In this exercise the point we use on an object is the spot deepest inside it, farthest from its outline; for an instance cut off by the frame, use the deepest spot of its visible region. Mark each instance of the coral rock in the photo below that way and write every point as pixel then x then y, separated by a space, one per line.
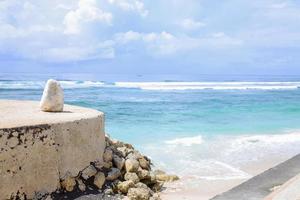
pixel 88 172
pixel 125 186
pixel 166 177
pixel 68 183
pixel 131 165
pixel 119 162
pixel 99 179
pixel 144 163
pixel 138 194
pixel 81 185
pixel 107 155
pixel 113 174
pixel 131 177
pixel 53 97
pixel 143 174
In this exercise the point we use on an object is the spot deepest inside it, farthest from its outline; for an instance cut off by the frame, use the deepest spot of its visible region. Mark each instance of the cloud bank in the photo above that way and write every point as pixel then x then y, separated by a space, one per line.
pixel 232 32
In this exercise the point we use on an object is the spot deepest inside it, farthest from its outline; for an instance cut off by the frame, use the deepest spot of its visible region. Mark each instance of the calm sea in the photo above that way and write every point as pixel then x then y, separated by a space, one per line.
pixel 213 123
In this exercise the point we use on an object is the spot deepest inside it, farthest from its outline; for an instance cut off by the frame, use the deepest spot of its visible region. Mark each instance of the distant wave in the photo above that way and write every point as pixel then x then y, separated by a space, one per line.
pixel 210 85
pixel 41 84
pixel 68 84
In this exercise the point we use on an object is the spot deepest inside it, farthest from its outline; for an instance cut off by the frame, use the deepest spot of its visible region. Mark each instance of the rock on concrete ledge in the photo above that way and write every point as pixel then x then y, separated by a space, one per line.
pixel 38 148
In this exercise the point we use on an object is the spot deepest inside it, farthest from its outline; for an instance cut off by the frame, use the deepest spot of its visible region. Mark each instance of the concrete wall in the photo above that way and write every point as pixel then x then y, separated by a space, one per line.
pixel 36 153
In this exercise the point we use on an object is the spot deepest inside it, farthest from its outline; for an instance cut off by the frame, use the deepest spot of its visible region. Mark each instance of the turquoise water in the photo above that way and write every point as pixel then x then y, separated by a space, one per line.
pixel 183 114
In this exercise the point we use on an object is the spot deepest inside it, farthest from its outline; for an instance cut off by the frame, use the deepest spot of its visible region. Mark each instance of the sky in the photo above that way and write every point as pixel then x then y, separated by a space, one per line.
pixel 150 36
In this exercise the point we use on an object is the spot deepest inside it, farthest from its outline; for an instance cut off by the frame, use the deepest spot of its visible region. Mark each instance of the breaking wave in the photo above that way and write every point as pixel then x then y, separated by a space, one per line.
pixel 210 85
pixel 186 141
pixel 68 84
pixel 222 157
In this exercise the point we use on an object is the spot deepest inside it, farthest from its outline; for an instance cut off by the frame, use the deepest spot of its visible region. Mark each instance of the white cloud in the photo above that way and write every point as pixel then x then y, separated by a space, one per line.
pixel 145 37
pixel 164 43
pixel 87 11
pixel 104 50
pixel 156 43
pixel 131 5
pixel 9 31
pixel 218 34
pixel 190 24
pixel 279 5
pixel 37 31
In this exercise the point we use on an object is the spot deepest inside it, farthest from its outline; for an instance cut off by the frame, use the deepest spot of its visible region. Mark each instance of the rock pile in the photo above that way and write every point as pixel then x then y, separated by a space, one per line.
pixel 124 172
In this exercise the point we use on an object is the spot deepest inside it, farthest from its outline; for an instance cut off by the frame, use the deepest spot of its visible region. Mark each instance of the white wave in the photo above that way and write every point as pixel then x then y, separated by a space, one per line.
pixel 269 139
pixel 186 141
pixel 41 84
pixel 210 85
pixel 246 149
pixel 81 84
pixel 21 84
pixel 223 157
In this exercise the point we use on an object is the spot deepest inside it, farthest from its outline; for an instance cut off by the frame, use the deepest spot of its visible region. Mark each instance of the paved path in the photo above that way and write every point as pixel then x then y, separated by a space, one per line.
pixel 258 187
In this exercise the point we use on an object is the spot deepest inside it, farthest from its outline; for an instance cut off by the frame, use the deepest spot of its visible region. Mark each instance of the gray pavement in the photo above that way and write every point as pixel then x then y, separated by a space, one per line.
pixel 258 187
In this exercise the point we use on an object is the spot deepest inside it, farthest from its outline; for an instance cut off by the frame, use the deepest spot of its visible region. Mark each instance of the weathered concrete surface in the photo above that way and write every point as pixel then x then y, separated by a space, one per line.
pixel 258 187
pixel 288 191
pixel 39 148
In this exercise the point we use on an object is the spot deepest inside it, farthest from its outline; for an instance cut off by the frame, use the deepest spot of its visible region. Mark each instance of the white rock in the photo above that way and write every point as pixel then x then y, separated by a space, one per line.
pixel 53 97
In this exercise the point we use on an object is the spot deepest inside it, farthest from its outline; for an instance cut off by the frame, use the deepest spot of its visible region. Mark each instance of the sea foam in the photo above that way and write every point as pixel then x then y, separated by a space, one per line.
pixel 209 85
pixel 186 141
pixel 222 157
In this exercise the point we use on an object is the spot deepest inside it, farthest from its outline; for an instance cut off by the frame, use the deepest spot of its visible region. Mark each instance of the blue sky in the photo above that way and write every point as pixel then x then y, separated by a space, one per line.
pixel 150 37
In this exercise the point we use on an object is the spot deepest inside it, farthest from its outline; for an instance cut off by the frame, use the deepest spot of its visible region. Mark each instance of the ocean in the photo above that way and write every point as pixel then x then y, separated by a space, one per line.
pixel 199 126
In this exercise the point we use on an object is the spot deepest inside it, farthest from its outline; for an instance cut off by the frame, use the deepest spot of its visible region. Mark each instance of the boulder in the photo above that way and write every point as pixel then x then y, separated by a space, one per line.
pixel 88 172
pixel 123 151
pixel 113 174
pixel 125 186
pixel 99 179
pixel 107 155
pixel 131 165
pixel 81 185
pixel 166 177
pixel 143 174
pixel 53 97
pixel 108 191
pixel 157 186
pixel 117 143
pixel 145 164
pixel 68 183
pixel 141 185
pixel 119 162
pixel 134 155
pixel 138 194
pixel 131 177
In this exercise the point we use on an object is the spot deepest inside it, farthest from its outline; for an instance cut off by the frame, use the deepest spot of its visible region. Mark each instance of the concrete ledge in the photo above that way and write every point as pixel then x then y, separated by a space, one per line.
pixel 258 187
pixel 37 149
pixel 288 191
